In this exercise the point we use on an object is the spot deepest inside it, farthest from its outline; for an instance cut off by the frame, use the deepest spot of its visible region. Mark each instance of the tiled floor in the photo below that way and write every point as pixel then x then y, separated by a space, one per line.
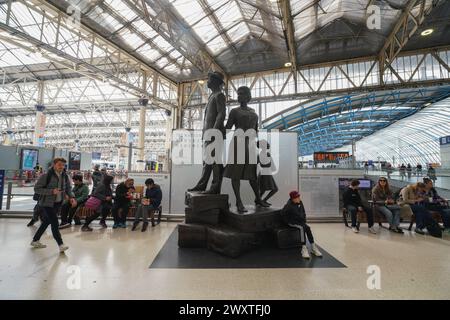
pixel 114 264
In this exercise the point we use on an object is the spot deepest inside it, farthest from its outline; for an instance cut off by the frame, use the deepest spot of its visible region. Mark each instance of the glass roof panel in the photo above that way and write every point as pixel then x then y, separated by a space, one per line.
pixel 148 52
pixel 238 32
pixel 120 7
pixel 229 14
pixel 191 11
pixel 142 26
pixel 216 45
pixel 131 38
pixel 205 29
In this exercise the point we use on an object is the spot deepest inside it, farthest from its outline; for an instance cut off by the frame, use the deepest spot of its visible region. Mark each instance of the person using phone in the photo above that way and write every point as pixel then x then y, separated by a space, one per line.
pixel 52 192
pixel 150 203
pixel 382 197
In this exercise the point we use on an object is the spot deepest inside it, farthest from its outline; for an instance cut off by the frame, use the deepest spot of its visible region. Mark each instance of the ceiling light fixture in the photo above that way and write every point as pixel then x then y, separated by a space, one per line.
pixel 288 64
pixel 201 81
pixel 426 32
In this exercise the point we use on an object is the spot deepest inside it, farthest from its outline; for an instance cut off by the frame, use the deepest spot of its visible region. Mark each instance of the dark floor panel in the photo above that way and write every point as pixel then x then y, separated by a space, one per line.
pixel 171 256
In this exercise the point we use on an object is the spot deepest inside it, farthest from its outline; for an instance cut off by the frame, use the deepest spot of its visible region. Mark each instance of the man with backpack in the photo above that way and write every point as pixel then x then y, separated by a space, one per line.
pixel 52 188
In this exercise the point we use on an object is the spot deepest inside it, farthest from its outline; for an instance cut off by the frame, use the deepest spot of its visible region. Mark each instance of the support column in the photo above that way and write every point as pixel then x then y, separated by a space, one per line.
pixel 39 128
pixel 129 141
pixel 353 154
pixel 142 115
pixel 168 142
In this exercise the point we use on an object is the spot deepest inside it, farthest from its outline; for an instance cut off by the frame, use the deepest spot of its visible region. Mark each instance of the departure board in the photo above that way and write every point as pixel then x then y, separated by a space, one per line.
pixel 329 156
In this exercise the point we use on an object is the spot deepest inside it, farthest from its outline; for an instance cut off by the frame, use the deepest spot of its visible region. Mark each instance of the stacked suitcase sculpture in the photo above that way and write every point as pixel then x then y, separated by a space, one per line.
pixel 211 223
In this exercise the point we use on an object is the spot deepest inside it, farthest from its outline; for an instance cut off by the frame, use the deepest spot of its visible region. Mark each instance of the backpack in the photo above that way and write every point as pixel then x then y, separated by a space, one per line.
pixel 434 229
pixel 37 197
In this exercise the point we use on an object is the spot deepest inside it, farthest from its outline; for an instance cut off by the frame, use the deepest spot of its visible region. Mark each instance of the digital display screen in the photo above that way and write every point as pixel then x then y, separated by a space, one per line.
pixel 74 160
pixel 363 183
pixel 28 159
pixel 329 156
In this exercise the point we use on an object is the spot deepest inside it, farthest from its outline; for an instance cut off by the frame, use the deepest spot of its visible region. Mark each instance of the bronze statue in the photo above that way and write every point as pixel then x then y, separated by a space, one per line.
pixel 214 118
pixel 243 118
pixel 266 182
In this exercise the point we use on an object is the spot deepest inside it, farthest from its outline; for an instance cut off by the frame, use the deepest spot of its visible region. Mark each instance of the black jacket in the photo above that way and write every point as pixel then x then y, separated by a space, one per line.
pixel 121 193
pixel 155 195
pixel 352 197
pixel 293 213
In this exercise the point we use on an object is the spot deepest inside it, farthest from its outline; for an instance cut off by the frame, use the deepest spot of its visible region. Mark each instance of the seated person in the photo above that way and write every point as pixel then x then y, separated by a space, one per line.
pixel 353 203
pixel 293 214
pixel 122 203
pixel 68 209
pixel 410 195
pixel 434 202
pixel 383 200
pixel 150 203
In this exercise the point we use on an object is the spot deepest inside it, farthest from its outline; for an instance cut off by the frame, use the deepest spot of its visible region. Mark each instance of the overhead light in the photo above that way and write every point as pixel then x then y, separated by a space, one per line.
pixel 427 104
pixel 201 81
pixel 288 64
pixel 426 32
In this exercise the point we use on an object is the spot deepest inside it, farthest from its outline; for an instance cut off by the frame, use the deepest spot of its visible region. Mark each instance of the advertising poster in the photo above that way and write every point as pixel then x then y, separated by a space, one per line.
pixel 74 160
pixel 29 159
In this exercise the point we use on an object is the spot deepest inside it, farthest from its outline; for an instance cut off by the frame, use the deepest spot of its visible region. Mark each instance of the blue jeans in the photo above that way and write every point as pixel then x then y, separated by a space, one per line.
pixel 353 210
pixel 423 216
pixel 392 216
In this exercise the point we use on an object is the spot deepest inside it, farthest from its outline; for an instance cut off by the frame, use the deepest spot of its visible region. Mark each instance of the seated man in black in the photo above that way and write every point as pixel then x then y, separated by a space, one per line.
pixel 150 203
pixel 353 203
pixel 122 203
pixel 293 214
pixel 68 209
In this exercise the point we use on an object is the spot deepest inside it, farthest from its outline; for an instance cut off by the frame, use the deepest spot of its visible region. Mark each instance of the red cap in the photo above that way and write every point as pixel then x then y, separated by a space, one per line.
pixel 294 194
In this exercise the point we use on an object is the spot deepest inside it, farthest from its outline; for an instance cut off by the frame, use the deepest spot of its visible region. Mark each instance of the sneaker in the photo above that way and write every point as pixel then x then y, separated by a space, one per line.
pixel 315 251
pixel 419 231
pixel 372 230
pixel 37 245
pixel 305 252
pixel 355 230
pixel 86 228
pixel 31 223
pixel 63 248
pixel 135 224
pixel 144 226
pixel 399 230
pixel 64 226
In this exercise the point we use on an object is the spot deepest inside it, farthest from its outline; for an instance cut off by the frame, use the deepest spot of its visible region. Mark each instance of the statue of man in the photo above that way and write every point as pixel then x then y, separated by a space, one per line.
pixel 214 118
pixel 243 164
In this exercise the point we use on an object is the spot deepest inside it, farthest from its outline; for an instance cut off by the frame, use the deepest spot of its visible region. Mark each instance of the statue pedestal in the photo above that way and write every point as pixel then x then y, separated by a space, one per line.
pixel 211 223
pixel 205 208
pixel 257 219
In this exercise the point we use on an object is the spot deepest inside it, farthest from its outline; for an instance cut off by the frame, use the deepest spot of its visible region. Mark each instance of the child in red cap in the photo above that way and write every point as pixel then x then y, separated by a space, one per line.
pixel 293 214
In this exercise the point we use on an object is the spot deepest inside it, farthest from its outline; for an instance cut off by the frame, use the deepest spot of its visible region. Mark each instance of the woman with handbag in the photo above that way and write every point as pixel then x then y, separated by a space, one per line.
pixel 100 202
pixel 383 200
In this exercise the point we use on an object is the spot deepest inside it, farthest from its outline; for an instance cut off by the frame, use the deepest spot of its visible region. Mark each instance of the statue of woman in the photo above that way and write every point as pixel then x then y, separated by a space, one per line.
pixel 243 164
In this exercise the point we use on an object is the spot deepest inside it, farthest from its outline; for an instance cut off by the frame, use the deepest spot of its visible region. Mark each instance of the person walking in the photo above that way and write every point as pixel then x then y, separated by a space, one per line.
pixel 52 188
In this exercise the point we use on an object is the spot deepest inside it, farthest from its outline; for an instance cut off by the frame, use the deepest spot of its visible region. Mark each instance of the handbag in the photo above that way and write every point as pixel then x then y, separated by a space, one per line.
pixel 93 203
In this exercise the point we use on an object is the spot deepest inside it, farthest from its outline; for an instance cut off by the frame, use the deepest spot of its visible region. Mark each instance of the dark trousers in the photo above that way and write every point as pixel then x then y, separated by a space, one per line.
pixel 104 211
pixel 445 215
pixel 305 232
pixel 36 212
pixel 423 216
pixel 49 216
pixel 67 213
pixel 120 212
pixel 353 210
